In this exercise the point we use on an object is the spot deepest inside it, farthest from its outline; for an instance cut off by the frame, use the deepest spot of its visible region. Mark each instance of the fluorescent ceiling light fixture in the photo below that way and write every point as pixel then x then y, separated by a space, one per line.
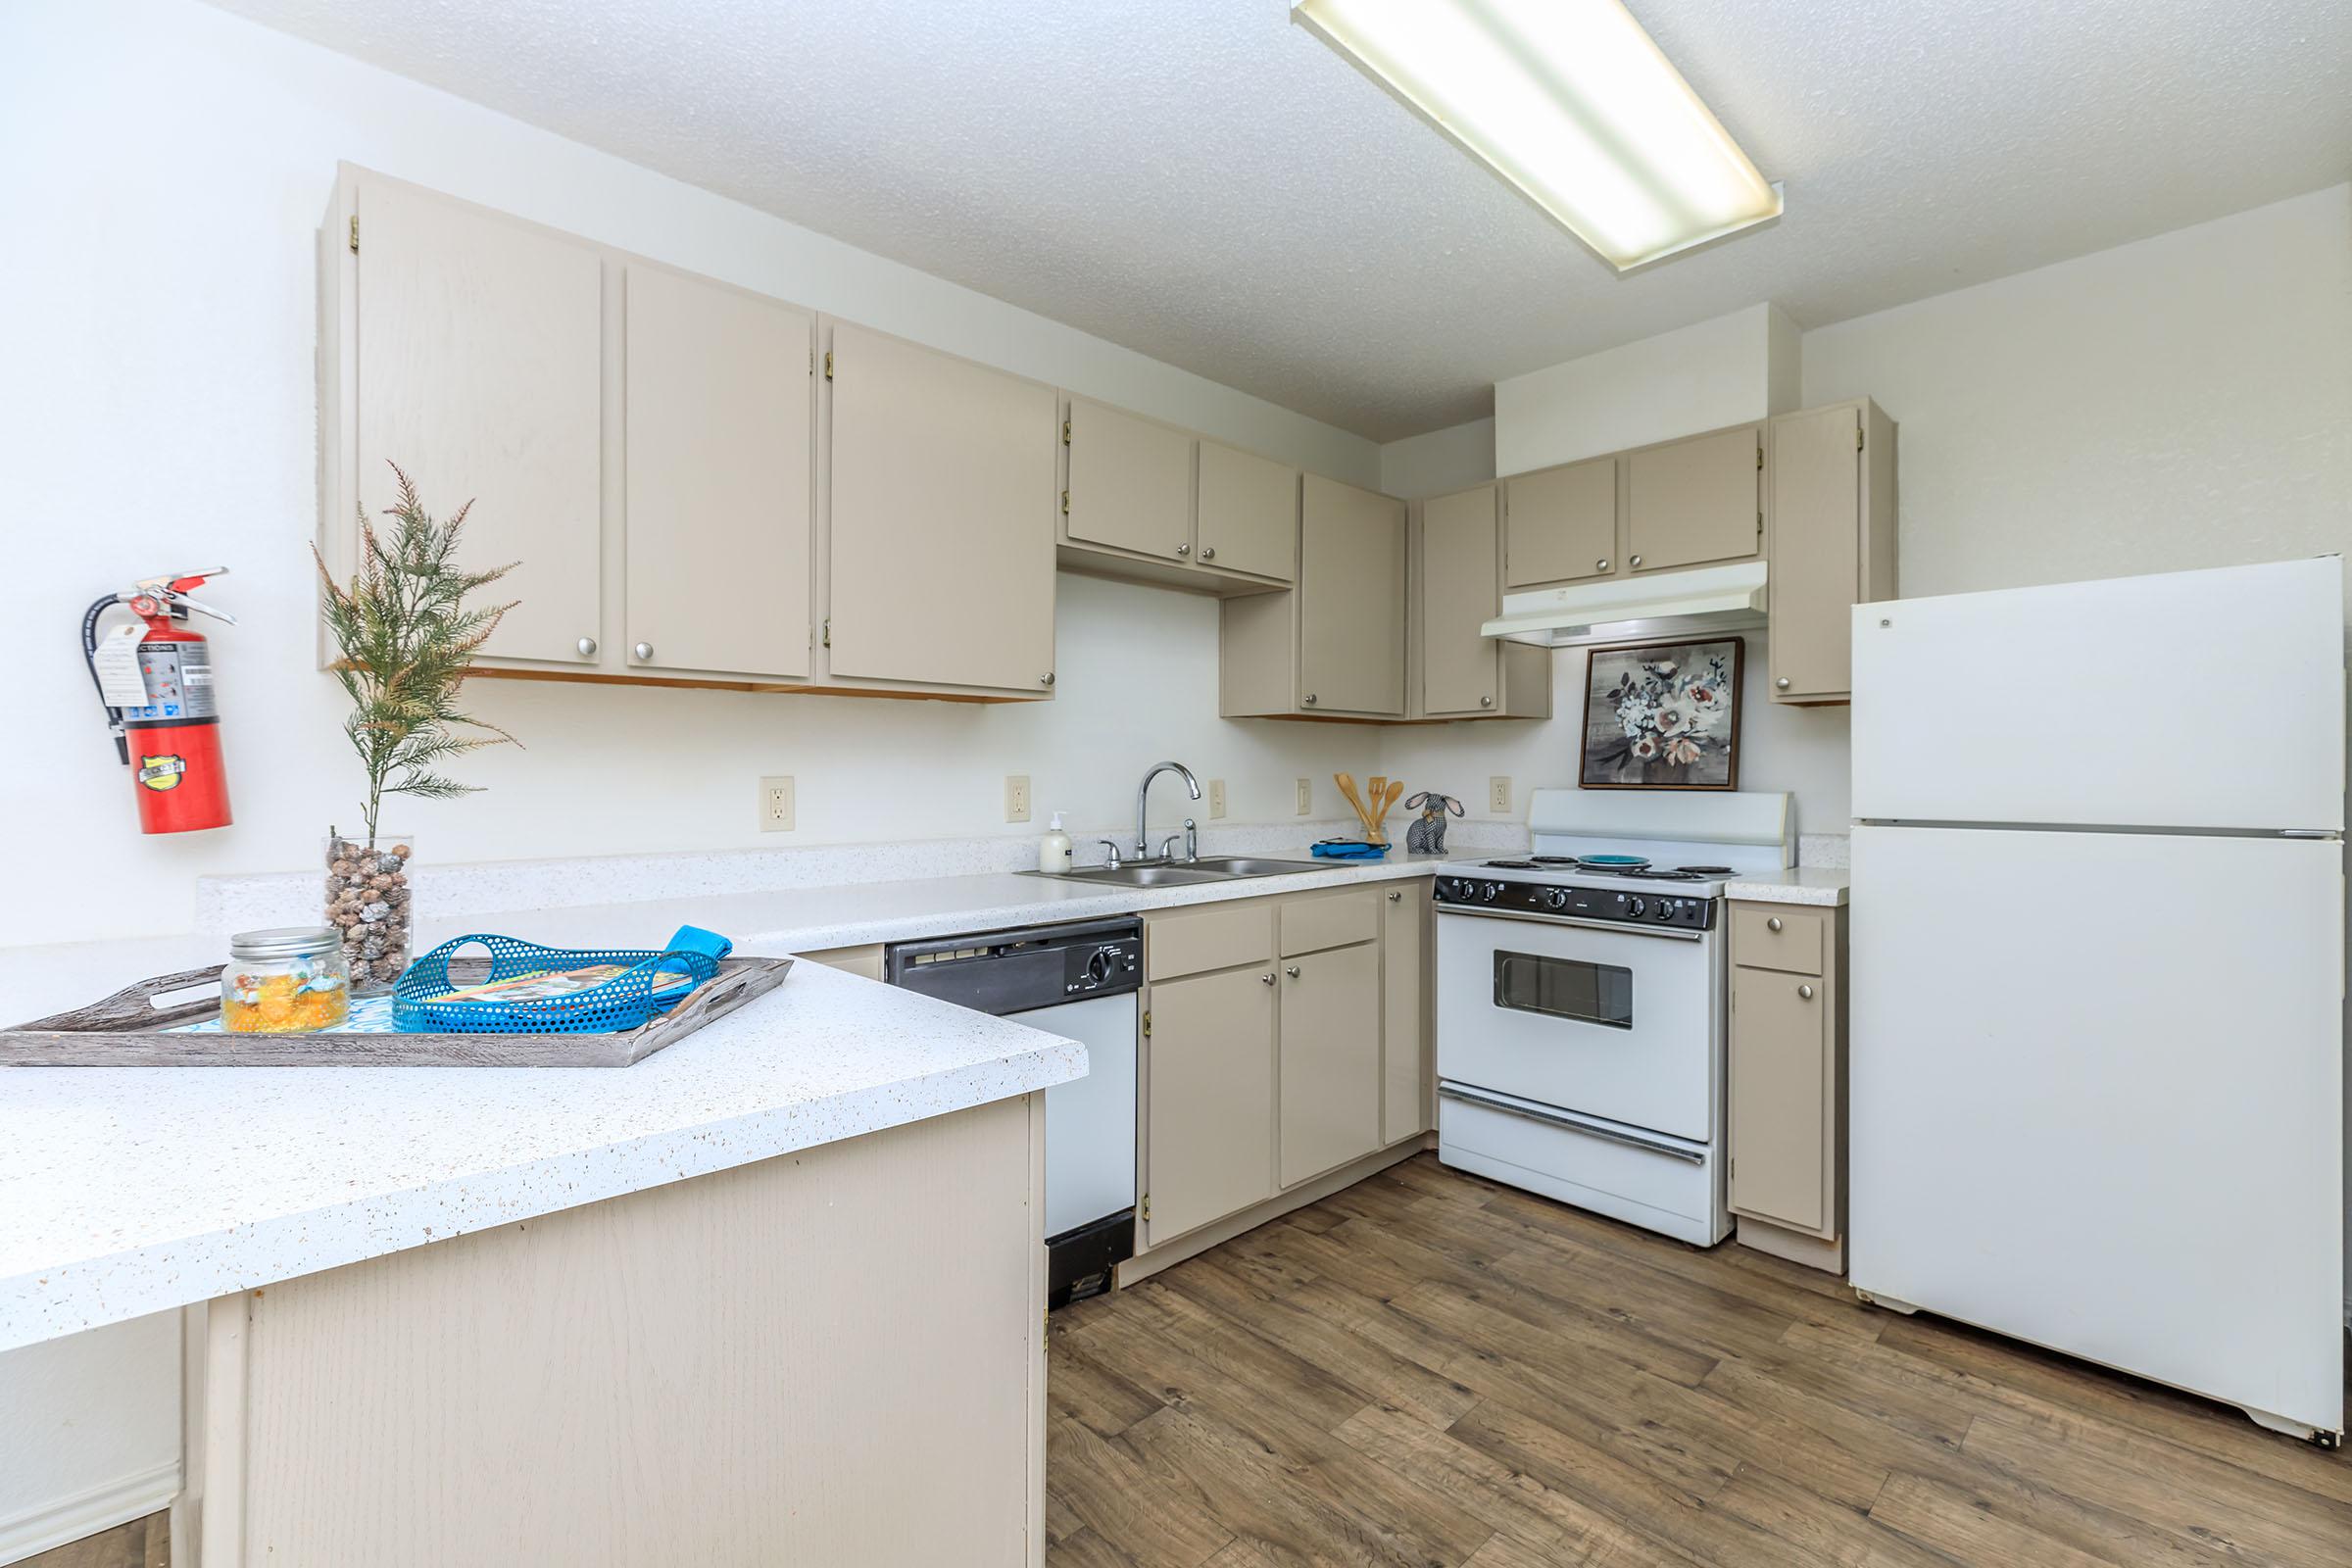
pixel 1570 102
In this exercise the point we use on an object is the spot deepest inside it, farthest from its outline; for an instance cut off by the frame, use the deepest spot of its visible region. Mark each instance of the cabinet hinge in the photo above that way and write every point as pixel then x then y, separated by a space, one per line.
pixel 1146 1206
pixel 1759 456
pixel 1759 523
pixel 1065 432
pixel 828 631
pixel 829 364
pixel 1065 502
pixel 1857 438
pixel 1146 1024
pixel 355 233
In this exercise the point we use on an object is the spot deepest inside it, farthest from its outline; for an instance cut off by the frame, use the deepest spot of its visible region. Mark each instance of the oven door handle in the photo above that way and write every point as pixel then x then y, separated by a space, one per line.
pixel 1574 1124
pixel 1626 927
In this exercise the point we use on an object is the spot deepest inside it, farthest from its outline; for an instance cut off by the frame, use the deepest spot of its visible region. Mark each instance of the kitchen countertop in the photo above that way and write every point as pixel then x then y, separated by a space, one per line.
pixel 127 1190
pixel 1823 886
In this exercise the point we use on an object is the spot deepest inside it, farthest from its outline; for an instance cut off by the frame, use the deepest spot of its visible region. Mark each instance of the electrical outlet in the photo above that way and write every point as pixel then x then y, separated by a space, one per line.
pixel 1307 796
pixel 1017 797
pixel 1499 794
pixel 1216 798
pixel 775 803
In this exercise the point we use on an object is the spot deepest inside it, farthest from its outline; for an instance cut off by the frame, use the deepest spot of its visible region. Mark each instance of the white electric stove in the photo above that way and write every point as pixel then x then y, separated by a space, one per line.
pixel 1581 996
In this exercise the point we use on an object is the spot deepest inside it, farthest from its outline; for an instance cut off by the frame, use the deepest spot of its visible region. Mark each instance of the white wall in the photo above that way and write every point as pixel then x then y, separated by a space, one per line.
pixel 89 1433
pixel 1698 378
pixel 163 167
pixel 2181 402
pixel 1439 461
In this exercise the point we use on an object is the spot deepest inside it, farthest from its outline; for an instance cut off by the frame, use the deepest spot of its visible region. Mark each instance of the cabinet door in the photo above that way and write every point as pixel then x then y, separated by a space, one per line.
pixel 1209 1148
pixel 1350 600
pixel 719 423
pixel 942 520
pixel 1460 668
pixel 1693 500
pixel 480 354
pixel 1249 513
pixel 1561 523
pixel 1131 482
pixel 1816 551
pixel 1780 1094
pixel 1404 991
pixel 1331 1069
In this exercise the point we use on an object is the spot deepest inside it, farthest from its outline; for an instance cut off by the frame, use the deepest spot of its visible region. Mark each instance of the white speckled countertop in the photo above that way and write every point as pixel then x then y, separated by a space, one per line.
pixel 127 1191
pixel 1823 886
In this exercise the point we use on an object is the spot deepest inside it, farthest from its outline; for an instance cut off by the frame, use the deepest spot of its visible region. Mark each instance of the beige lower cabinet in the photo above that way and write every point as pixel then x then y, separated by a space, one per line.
pixel 1832 504
pixel 1462 673
pixel 761 1365
pixel 1407 937
pixel 1787 1103
pixel 864 961
pixel 1285 1044
pixel 1335 646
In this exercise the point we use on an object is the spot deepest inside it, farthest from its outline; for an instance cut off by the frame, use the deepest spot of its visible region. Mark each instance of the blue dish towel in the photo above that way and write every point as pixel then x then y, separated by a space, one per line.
pixel 1349 850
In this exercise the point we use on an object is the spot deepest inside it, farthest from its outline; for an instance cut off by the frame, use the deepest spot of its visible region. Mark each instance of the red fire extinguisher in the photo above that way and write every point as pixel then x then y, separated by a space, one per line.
pixel 156 683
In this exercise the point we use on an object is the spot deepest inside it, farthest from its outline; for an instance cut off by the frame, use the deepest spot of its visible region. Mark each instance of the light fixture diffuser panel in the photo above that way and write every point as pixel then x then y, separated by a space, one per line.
pixel 1570 102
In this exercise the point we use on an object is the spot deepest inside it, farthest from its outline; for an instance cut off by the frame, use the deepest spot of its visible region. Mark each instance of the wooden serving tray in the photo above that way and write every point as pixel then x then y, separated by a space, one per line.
pixel 128 1030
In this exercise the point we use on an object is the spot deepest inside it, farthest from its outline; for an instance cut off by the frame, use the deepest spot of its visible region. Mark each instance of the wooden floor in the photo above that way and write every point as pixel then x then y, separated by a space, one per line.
pixel 1430 1370
pixel 141 1543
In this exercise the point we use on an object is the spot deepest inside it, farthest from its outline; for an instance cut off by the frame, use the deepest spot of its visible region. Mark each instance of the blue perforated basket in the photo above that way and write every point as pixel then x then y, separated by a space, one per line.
pixel 623 1002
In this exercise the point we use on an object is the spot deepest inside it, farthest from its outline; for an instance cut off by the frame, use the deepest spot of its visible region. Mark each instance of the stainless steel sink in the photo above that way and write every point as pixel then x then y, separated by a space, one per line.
pixel 1163 873
pixel 1253 866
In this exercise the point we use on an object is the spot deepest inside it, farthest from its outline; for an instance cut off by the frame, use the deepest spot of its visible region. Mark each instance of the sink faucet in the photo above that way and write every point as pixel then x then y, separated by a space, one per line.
pixel 1143 796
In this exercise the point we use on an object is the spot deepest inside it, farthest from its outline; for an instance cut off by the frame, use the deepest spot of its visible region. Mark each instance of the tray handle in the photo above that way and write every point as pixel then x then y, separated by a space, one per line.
pixel 134 1004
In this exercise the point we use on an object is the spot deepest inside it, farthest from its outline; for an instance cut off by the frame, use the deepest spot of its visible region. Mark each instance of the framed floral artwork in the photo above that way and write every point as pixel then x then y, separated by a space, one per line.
pixel 1662 716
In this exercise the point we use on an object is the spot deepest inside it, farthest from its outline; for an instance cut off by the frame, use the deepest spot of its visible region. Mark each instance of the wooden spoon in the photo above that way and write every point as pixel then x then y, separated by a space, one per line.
pixel 1347 784
pixel 1382 804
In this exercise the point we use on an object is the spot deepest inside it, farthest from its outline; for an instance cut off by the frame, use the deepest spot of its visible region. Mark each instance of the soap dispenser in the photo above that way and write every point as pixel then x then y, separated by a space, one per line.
pixel 1053 850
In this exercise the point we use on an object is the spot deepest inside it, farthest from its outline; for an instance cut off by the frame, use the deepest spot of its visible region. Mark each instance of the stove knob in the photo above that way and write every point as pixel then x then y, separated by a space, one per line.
pixel 1557 898
pixel 1637 907
pixel 1491 892
pixel 1665 911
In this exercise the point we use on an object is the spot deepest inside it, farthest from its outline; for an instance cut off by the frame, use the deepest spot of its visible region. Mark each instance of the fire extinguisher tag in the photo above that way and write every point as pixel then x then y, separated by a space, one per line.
pixel 162 772
pixel 116 661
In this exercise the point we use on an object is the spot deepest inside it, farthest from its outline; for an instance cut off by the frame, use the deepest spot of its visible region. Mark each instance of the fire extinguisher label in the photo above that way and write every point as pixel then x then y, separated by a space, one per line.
pixel 162 772
pixel 179 682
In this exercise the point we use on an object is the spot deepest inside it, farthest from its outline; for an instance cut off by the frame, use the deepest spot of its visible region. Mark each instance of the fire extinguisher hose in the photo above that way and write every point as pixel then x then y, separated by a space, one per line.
pixel 89 657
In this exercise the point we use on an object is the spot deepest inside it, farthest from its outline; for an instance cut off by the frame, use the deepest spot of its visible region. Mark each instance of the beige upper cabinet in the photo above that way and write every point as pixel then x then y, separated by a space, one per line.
pixel 940 528
pixel 1209 1093
pixel 1693 501
pixel 1131 482
pixel 1331 1067
pixel 1561 523
pixel 1350 600
pixel 1832 509
pixel 1249 513
pixel 1460 670
pixel 477 368
pixel 718 411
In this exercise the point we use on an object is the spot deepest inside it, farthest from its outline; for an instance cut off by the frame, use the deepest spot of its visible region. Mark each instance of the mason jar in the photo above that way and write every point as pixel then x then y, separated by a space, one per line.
pixel 287 980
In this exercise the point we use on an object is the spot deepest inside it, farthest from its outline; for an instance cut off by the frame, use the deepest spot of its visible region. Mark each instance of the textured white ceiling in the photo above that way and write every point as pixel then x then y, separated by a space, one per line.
pixel 1202 181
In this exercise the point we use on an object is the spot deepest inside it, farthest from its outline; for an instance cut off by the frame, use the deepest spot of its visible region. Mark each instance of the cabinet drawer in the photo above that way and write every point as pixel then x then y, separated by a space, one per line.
pixel 1215 938
pixel 1775 936
pixel 1329 920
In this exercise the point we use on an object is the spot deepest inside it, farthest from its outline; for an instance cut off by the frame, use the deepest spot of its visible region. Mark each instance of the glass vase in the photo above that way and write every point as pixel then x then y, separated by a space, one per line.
pixel 368 900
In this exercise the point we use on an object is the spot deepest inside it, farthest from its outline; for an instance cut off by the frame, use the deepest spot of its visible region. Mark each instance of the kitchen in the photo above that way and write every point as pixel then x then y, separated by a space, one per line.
pixel 2107 369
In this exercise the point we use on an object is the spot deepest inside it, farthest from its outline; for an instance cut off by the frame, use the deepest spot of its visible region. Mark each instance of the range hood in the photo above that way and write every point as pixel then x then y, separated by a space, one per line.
pixel 1665 603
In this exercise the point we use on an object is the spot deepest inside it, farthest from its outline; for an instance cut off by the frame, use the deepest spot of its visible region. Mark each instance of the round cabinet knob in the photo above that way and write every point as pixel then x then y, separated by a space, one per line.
pixel 1772 923
pixel 643 650
pixel 1291 970
pixel 1805 992
pixel 1602 564
pixel 1782 684
pixel 1208 552
pixel 1266 979
pixel 1637 561
pixel 1310 700
pixel 587 648
pixel 1184 550
pixel 1486 701
pixel 1637 905
pixel 1047 679
pixel 1396 898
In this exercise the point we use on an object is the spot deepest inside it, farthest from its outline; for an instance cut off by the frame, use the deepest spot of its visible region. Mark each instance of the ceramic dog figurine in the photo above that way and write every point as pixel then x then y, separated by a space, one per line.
pixel 1426 835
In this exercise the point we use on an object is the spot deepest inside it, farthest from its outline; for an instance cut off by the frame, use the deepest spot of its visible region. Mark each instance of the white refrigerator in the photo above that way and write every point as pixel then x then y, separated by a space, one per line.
pixel 2096 1091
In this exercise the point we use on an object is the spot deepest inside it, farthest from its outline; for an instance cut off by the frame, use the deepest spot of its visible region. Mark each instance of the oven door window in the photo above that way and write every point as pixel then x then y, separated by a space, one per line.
pixel 1564 988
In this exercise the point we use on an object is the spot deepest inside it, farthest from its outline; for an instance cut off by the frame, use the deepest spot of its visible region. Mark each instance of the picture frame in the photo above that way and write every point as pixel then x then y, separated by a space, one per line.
pixel 1663 715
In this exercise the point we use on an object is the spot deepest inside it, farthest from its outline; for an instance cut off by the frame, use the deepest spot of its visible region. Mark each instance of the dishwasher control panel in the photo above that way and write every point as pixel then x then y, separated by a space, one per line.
pixel 1016 971
pixel 1115 965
